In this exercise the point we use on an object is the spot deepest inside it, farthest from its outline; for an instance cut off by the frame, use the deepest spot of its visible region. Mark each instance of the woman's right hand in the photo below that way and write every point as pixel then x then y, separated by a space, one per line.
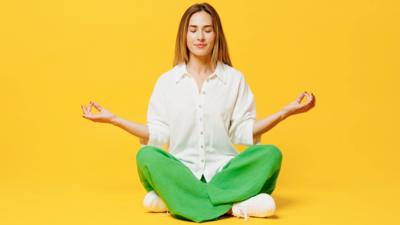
pixel 104 116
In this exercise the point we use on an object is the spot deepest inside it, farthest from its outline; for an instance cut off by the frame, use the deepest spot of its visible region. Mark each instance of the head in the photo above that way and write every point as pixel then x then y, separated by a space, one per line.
pixel 200 34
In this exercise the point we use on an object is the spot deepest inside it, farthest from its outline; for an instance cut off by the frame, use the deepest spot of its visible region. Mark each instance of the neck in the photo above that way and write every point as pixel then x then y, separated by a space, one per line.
pixel 200 65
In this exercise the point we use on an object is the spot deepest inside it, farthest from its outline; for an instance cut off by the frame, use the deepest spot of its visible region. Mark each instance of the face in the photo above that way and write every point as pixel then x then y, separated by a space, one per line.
pixel 200 35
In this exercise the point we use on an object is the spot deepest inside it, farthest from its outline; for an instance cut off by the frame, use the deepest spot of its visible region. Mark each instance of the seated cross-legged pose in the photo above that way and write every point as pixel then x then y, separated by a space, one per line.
pixel 199 109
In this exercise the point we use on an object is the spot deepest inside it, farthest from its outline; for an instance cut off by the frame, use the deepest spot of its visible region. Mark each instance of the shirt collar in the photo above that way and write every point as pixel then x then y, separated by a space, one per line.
pixel 181 71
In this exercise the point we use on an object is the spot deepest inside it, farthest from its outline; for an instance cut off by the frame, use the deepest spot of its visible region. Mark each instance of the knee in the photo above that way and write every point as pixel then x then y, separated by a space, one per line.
pixel 146 154
pixel 273 151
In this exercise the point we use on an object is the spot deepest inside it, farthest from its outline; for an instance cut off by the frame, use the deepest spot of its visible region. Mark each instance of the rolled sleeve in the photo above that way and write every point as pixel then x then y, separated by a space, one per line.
pixel 243 134
pixel 157 121
pixel 243 117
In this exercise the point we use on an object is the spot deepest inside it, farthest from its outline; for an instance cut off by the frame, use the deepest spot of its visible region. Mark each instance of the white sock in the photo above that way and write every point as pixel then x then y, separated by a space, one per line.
pixel 154 203
pixel 261 205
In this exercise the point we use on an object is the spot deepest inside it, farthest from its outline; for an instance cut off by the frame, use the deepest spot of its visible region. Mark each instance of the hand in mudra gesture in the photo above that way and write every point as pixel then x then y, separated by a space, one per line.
pixel 298 107
pixel 104 116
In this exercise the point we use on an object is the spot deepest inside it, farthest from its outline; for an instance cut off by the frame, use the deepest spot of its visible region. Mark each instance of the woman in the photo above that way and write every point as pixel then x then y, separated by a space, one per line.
pixel 200 108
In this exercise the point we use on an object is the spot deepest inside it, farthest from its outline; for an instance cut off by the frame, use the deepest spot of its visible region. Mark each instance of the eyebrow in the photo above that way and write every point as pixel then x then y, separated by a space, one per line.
pixel 196 25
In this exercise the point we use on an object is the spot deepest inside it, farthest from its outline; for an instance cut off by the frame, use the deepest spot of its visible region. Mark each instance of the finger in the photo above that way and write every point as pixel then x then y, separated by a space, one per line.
pixel 97 106
pixel 85 109
pixel 311 103
pixel 313 99
pixel 87 116
pixel 307 103
pixel 309 98
pixel 90 107
pixel 300 97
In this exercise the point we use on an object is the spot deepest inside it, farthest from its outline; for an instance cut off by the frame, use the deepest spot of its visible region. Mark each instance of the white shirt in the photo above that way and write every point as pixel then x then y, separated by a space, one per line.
pixel 201 126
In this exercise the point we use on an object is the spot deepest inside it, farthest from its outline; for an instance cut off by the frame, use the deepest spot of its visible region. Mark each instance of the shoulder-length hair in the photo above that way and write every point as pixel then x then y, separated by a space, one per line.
pixel 220 49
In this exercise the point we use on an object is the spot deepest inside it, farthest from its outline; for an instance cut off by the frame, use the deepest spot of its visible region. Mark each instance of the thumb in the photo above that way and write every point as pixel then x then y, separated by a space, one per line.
pixel 87 116
pixel 300 97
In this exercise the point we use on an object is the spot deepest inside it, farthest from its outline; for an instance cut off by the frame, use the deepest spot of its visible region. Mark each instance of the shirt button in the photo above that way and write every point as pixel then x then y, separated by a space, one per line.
pixel 204 92
pixel 201 119
pixel 200 106
pixel 202 146
pixel 202 160
pixel 201 132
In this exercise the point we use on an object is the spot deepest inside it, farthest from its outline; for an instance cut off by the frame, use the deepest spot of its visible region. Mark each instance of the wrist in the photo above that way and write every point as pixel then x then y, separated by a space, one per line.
pixel 114 120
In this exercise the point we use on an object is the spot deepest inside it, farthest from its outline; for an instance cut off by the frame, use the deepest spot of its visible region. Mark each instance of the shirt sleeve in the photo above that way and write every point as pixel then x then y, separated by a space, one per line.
pixel 243 117
pixel 157 122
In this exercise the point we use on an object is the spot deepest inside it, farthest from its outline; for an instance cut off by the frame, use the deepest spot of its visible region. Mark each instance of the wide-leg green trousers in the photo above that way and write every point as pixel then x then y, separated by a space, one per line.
pixel 253 171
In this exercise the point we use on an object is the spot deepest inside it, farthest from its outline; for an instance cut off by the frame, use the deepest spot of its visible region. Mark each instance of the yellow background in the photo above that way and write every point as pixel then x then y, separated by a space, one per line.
pixel 341 159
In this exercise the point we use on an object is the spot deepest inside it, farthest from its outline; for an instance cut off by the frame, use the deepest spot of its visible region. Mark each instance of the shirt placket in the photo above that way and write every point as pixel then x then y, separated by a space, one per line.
pixel 200 108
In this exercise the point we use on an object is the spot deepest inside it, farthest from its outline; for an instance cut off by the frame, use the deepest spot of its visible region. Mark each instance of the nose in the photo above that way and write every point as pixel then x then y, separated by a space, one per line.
pixel 200 35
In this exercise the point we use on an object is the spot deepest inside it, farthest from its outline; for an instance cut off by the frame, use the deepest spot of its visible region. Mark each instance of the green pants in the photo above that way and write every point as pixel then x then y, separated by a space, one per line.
pixel 251 172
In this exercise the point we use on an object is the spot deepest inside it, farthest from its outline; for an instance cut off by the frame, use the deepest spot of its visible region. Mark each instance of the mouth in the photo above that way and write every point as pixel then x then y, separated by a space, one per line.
pixel 201 45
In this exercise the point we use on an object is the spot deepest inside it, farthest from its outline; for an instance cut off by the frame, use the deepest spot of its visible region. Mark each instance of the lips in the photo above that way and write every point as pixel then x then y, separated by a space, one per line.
pixel 201 45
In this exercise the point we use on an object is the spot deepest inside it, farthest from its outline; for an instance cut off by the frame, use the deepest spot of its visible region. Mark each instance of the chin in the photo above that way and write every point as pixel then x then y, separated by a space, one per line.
pixel 200 53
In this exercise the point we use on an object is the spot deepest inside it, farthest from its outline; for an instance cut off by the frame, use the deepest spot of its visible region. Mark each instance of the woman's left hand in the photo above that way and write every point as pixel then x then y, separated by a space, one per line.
pixel 296 106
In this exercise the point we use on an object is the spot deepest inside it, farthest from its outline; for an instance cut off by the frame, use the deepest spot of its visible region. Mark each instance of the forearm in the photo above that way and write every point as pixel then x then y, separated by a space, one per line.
pixel 262 126
pixel 139 130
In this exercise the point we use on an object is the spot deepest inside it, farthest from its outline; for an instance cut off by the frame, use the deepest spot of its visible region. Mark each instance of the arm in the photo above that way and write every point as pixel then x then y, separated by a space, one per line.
pixel 155 132
pixel 262 126
pixel 104 116
pixel 139 130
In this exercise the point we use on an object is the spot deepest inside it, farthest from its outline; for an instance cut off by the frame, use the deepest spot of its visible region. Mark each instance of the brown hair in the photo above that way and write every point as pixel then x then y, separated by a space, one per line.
pixel 220 49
